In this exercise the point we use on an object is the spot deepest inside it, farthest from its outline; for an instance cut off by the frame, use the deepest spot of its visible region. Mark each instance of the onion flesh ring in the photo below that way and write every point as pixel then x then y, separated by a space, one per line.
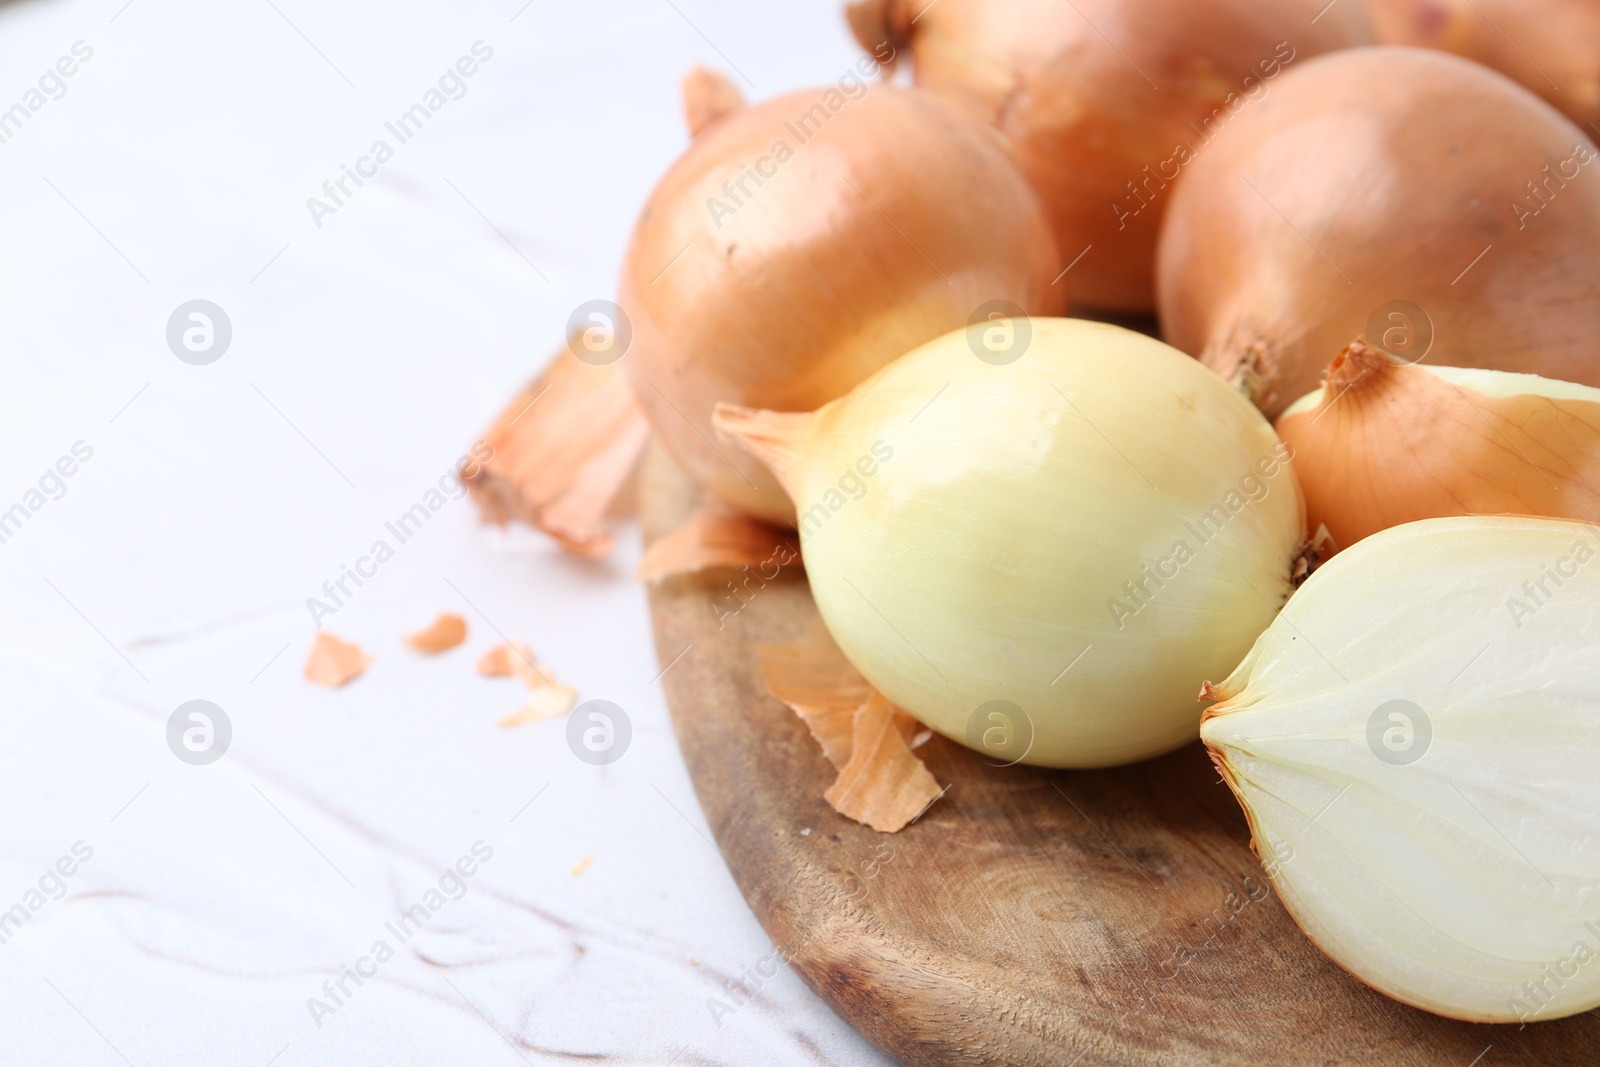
pixel 1414 741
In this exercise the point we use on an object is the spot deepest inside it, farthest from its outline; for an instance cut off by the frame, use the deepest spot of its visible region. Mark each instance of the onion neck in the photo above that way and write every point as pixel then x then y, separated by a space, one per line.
pixel 707 97
pixel 880 26
pixel 1358 363
pixel 773 437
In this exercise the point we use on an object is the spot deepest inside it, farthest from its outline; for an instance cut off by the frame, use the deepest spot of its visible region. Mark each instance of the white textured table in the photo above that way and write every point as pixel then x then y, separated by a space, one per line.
pixel 174 163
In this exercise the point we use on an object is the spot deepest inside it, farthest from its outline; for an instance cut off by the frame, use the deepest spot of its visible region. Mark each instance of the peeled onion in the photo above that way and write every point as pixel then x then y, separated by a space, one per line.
pixel 1383 443
pixel 1385 190
pixel 1106 100
pixel 1038 537
pixel 802 243
pixel 1551 47
pixel 1414 741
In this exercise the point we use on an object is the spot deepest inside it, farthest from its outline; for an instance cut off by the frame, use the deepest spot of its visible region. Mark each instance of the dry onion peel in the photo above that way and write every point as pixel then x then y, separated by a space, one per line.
pixel 713 537
pixel 881 782
pixel 812 676
pixel 1387 189
pixel 977 533
pixel 563 451
pixel 1105 101
pixel 497 662
pixel 1551 47
pixel 1414 742
pixel 884 784
pixel 1383 443
pixel 529 672
pixel 446 632
pixel 546 699
pixel 334 662
pixel 803 242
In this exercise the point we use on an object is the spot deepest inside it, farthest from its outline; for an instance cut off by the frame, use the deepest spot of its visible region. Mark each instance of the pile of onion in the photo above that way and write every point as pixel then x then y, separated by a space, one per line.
pixel 1107 101
pixel 802 243
pixel 1384 443
pixel 1551 47
pixel 1410 195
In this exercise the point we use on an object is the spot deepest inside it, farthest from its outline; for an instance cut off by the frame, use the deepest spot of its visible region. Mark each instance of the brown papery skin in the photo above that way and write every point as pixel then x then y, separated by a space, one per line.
pixel 1376 175
pixel 1556 51
pixel 888 228
pixel 1095 91
pixel 1392 443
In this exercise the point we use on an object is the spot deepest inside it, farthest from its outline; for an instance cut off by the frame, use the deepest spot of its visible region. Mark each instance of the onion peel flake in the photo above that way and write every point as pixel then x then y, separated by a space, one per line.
pixel 445 633
pixel 884 785
pixel 813 678
pixel 881 782
pixel 334 662
pixel 546 699
pixel 561 453
pixel 497 662
pixel 716 538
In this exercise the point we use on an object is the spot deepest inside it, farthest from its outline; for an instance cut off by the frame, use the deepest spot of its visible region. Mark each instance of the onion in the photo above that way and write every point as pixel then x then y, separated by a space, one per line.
pixel 1387 190
pixel 801 244
pixel 1551 47
pixel 1106 100
pixel 1039 536
pixel 1383 443
pixel 1414 741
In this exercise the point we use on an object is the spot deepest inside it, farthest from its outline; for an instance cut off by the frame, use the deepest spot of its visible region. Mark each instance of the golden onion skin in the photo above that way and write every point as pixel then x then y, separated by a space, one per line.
pixel 1382 175
pixel 1550 47
pixel 1093 92
pixel 1383 443
pixel 889 227
pixel 1414 741
pixel 968 526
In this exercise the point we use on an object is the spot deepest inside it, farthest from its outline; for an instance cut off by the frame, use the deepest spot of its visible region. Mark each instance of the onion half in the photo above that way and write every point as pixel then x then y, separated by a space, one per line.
pixel 1414 741
pixel 802 243
pixel 1040 551
pixel 1383 443
pixel 1106 101
pixel 1384 182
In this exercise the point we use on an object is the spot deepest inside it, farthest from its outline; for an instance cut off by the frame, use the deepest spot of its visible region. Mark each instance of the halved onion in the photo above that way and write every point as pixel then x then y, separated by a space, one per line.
pixel 1414 741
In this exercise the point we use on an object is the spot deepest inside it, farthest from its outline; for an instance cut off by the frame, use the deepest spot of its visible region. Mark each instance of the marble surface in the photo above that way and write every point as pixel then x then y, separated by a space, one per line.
pixel 210 908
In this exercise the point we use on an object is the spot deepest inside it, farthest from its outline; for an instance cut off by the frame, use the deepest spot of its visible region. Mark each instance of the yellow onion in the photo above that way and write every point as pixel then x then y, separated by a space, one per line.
pixel 802 243
pixel 1414 741
pixel 1552 47
pixel 1387 190
pixel 1383 443
pixel 1039 536
pixel 1107 101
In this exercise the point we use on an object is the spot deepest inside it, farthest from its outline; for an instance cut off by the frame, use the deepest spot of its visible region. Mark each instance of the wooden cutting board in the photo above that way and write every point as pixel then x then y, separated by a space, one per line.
pixel 1061 918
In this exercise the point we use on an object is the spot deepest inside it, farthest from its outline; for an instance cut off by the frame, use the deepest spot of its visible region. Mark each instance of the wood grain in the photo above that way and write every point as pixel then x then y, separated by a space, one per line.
pixel 1030 917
